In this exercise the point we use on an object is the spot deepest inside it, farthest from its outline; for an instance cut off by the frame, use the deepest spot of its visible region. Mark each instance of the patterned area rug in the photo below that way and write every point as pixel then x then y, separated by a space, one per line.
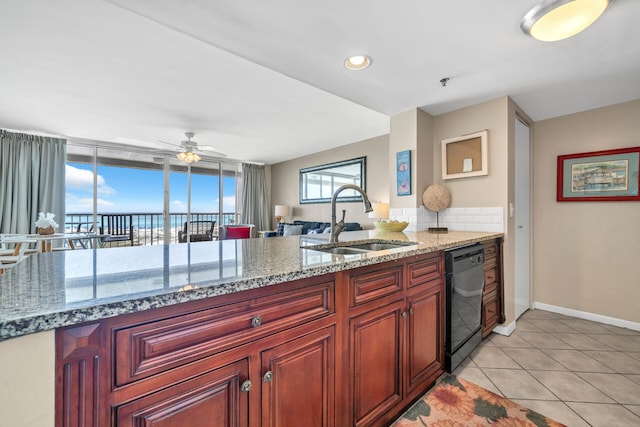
pixel 455 402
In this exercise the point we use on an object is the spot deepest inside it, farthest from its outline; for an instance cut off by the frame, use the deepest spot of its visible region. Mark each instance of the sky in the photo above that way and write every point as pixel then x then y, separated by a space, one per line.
pixel 141 191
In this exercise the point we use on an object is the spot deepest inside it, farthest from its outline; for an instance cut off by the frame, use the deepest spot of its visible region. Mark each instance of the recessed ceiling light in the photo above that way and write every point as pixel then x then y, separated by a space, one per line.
pixel 357 62
pixel 554 20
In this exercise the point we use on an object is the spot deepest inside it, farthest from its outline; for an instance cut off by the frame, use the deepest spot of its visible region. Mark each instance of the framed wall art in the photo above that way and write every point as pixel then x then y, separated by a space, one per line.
pixel 403 173
pixel 465 156
pixel 598 176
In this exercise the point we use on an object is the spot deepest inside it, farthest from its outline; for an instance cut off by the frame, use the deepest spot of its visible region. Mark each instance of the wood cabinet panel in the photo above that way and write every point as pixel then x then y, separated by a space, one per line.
pixel 425 270
pixel 80 376
pixel 369 284
pixel 490 312
pixel 214 399
pixel 490 276
pixel 298 382
pixel 375 339
pixel 144 350
pixel 493 294
pixel 425 343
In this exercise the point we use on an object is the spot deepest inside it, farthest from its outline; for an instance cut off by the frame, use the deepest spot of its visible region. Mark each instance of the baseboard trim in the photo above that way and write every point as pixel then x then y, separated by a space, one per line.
pixel 505 330
pixel 587 316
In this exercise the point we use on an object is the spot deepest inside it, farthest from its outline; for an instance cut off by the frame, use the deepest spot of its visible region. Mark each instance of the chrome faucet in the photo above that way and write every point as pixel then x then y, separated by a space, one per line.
pixel 336 227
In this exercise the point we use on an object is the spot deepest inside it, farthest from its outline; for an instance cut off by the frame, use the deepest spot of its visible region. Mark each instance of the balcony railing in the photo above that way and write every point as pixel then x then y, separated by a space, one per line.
pixel 148 228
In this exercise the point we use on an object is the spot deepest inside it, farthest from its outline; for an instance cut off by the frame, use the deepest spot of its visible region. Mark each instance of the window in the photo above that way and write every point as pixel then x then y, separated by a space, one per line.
pixel 146 185
pixel 318 183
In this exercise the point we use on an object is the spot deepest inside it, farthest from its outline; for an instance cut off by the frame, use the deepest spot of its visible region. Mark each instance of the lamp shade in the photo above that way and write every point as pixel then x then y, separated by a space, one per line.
pixel 553 20
pixel 380 210
pixel 188 157
pixel 282 210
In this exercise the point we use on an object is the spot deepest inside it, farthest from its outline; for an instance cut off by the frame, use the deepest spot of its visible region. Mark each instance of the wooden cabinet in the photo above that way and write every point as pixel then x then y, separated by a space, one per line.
pixel 493 293
pixel 375 340
pixel 216 399
pixel 298 382
pixel 351 348
pixel 425 332
pixel 396 339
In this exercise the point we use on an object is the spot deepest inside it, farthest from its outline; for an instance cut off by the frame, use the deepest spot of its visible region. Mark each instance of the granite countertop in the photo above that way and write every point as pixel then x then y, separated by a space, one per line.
pixel 50 290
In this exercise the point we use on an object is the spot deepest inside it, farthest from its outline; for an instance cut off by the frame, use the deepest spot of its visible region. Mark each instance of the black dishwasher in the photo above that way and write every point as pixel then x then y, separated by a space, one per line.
pixel 464 269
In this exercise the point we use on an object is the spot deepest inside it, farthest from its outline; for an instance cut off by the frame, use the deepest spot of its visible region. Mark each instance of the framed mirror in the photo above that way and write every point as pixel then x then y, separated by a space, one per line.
pixel 318 183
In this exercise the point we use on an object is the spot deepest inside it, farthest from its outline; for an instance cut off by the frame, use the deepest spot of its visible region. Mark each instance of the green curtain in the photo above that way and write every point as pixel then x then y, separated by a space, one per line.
pixel 255 209
pixel 32 180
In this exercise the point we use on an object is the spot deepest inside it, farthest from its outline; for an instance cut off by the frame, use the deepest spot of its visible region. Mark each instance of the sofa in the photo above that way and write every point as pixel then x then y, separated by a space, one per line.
pixel 311 227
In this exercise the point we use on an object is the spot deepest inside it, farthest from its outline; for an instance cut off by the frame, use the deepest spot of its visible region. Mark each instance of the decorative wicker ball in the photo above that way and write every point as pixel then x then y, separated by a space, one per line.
pixel 436 198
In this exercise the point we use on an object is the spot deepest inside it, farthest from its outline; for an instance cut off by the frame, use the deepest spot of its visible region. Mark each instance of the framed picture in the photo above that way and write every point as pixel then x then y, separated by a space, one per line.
pixel 465 156
pixel 599 176
pixel 403 173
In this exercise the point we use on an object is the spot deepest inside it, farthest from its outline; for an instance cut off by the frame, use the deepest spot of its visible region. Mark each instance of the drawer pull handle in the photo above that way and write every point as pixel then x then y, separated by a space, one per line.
pixel 268 376
pixel 403 314
pixel 256 321
pixel 246 386
pixel 411 310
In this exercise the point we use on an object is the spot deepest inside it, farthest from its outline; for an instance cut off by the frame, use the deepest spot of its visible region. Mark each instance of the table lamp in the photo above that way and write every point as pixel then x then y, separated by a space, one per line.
pixel 282 211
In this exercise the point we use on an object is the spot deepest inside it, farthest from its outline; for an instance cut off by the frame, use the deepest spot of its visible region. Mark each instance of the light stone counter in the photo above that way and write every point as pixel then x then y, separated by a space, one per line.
pixel 47 291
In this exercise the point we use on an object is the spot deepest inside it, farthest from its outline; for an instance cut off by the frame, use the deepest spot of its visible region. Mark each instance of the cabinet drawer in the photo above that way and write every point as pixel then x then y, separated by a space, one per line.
pixel 420 272
pixel 490 287
pixel 490 250
pixel 373 284
pixel 490 312
pixel 144 350
pixel 490 276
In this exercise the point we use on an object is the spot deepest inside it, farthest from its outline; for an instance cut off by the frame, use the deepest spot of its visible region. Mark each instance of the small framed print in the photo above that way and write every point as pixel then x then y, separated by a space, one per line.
pixel 599 176
pixel 403 173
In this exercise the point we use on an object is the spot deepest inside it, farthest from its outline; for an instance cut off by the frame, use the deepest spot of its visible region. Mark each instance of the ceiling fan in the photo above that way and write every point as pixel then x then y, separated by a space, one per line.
pixel 191 146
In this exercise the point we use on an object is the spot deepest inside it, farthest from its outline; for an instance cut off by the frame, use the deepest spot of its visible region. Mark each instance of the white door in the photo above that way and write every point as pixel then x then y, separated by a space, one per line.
pixel 522 220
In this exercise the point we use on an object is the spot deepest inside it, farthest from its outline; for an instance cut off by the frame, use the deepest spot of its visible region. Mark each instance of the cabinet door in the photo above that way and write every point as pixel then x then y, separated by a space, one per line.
pixel 210 400
pixel 375 339
pixel 298 383
pixel 425 337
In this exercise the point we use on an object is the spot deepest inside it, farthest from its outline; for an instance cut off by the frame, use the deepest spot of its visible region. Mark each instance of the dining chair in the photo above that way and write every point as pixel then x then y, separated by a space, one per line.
pixel 236 231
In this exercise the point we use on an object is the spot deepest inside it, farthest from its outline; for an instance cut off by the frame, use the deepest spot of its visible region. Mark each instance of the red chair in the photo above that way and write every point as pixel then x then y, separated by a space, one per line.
pixel 240 231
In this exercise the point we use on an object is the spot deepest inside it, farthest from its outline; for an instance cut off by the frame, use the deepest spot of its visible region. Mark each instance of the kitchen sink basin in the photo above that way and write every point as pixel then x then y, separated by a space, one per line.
pixel 352 248
pixel 343 250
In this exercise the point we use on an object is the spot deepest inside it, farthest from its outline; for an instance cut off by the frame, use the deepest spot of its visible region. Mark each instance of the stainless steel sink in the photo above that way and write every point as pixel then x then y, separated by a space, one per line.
pixel 380 246
pixel 353 248
pixel 343 250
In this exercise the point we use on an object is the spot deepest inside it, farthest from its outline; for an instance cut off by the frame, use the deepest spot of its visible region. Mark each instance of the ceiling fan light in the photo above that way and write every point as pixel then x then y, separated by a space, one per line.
pixel 357 62
pixel 188 157
pixel 554 20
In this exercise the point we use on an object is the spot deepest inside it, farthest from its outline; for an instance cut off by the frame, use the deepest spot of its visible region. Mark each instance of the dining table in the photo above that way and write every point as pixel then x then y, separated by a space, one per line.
pixel 45 241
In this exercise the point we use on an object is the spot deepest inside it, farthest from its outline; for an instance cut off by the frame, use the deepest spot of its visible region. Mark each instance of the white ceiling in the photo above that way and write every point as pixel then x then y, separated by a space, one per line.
pixel 263 81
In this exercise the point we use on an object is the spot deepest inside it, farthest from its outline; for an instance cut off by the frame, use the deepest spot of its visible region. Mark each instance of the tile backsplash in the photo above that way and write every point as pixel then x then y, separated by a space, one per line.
pixel 456 219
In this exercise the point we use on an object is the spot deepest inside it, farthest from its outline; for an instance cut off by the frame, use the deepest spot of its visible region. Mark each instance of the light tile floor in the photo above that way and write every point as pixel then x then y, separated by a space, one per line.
pixel 577 372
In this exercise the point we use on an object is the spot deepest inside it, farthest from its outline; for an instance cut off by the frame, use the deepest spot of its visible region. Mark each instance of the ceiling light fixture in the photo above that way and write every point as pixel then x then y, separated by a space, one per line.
pixel 188 157
pixel 554 20
pixel 357 62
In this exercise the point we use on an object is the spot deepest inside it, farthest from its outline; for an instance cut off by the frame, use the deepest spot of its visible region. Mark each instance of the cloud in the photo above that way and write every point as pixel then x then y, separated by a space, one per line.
pixel 82 179
pixel 74 204
pixel 179 204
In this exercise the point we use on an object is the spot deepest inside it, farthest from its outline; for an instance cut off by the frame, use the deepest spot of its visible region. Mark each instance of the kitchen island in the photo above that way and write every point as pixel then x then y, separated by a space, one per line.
pixel 315 307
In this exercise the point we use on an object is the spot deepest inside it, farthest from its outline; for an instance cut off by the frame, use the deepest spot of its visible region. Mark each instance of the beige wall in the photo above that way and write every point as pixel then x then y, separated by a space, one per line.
pixel 494 189
pixel 27 381
pixel 480 191
pixel 585 253
pixel 411 130
pixel 285 178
